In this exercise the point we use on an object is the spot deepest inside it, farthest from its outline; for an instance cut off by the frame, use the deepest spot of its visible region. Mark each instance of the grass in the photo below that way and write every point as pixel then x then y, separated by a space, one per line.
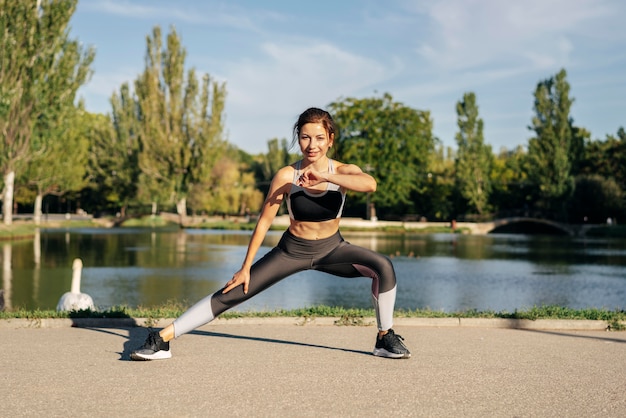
pixel 17 231
pixel 347 316
pixel 26 229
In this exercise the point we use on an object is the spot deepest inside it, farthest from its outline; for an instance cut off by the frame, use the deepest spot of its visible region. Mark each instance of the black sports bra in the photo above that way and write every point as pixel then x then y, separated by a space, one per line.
pixel 315 207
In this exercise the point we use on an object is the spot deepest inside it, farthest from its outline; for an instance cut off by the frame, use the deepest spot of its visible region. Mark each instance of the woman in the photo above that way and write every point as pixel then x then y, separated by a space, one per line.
pixel 314 189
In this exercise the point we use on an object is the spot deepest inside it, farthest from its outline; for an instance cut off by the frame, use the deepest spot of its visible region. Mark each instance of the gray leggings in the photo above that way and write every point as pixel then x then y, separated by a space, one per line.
pixel 331 255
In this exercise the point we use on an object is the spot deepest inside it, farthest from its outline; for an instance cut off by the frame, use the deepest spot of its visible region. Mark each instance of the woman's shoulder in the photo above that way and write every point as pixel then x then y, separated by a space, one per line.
pixel 285 172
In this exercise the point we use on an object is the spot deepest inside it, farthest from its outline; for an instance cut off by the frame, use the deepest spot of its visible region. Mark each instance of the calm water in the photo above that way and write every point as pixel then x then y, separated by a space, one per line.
pixel 136 267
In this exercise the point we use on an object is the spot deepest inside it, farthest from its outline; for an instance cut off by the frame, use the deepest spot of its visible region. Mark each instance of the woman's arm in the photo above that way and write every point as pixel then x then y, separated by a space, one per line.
pixel 278 188
pixel 348 176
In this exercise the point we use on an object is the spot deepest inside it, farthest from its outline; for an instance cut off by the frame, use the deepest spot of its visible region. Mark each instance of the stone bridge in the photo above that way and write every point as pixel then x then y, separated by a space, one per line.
pixel 547 225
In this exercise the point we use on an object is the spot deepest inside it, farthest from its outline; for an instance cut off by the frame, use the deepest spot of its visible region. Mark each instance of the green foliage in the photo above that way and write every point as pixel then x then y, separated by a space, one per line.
pixel 435 200
pixel 60 156
pixel 181 127
pixel 40 72
pixel 510 185
pixel 607 158
pixel 595 199
pixel 115 152
pixel 16 231
pixel 474 157
pixel 232 190
pixel 387 139
pixel 550 151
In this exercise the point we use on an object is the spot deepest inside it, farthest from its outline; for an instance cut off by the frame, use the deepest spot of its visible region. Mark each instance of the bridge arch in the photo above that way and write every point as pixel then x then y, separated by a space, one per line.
pixel 527 225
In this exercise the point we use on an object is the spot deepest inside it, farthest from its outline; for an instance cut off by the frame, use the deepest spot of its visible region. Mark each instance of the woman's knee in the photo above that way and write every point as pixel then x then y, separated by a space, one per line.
pixel 387 274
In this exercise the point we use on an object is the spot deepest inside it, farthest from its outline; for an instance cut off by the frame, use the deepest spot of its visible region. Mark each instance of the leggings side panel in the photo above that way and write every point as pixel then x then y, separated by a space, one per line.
pixel 384 306
pixel 196 316
pixel 349 260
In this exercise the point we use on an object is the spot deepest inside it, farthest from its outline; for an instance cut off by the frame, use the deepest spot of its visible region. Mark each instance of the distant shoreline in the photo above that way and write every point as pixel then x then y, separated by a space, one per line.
pixel 24 227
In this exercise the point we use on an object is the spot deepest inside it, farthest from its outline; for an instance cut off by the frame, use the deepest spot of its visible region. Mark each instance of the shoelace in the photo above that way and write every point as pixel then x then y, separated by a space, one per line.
pixel 398 340
pixel 150 341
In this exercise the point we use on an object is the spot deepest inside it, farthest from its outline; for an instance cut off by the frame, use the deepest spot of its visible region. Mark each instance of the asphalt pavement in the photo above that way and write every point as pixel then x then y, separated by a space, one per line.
pixel 289 368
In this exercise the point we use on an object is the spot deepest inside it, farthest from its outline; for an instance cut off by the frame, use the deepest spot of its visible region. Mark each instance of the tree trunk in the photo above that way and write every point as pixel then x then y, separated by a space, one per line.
pixel 372 212
pixel 37 209
pixel 181 209
pixel 154 209
pixel 370 209
pixel 7 199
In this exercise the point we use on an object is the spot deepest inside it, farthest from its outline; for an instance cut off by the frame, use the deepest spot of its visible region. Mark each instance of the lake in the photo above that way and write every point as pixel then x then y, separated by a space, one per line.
pixel 449 272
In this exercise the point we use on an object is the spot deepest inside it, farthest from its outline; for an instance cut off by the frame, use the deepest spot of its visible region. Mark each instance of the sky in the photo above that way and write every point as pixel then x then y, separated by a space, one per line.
pixel 279 57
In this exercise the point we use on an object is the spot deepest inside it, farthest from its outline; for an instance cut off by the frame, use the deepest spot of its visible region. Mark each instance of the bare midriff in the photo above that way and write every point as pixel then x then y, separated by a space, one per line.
pixel 314 230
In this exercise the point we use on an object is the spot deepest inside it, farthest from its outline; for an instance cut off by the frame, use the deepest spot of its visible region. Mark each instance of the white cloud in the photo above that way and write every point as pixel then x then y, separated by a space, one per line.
pixel 285 80
pixel 535 34
pixel 185 12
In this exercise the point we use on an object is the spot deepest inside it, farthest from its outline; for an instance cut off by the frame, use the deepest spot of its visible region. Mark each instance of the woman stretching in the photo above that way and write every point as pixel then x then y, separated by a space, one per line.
pixel 314 189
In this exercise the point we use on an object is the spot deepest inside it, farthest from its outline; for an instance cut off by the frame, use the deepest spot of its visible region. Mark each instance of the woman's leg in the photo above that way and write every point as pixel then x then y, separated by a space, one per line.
pixel 269 270
pixel 352 261
pixel 349 260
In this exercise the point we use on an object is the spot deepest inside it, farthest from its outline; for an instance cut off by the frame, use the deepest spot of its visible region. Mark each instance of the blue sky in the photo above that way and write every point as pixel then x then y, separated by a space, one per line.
pixel 279 57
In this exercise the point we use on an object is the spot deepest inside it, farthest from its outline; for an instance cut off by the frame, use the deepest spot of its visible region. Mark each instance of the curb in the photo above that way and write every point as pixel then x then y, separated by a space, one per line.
pixel 522 324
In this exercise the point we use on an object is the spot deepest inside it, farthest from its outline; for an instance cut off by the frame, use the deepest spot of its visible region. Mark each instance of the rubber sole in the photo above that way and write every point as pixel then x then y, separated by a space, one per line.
pixel 159 355
pixel 381 352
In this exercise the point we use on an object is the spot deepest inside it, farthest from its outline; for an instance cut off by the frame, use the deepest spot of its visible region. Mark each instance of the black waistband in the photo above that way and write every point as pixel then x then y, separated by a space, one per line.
pixel 294 245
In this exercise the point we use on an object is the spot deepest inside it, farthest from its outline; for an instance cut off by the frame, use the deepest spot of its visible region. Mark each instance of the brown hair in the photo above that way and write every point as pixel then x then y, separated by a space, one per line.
pixel 314 115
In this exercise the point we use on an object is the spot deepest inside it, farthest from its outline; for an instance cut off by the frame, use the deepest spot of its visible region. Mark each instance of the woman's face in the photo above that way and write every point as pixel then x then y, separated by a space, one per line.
pixel 314 141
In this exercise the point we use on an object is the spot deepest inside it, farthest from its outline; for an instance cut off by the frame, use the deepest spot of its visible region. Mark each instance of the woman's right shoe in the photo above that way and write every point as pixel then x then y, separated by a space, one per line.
pixel 153 349
pixel 391 346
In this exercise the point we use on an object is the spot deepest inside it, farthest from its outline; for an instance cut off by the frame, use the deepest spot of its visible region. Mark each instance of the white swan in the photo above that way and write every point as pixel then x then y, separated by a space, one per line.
pixel 74 300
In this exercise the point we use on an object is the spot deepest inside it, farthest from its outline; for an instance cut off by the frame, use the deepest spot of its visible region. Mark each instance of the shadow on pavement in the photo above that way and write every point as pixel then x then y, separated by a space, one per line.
pixel 276 341
pixel 137 335
pixel 589 337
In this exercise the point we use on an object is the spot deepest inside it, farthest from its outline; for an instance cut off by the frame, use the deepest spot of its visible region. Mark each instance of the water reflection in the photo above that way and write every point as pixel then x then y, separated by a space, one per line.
pixel 142 267
pixel 7 274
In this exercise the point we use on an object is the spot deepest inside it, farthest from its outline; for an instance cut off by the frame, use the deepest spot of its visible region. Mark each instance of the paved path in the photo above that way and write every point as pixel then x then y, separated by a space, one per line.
pixel 278 369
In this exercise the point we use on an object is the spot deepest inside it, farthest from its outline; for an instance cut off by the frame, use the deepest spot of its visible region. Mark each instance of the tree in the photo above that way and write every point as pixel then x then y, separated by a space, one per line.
pixel 180 124
pixel 390 141
pixel 232 189
pixel 595 199
pixel 436 199
pixel 266 165
pixel 607 158
pixel 277 157
pixel 58 147
pixel 474 157
pixel 509 183
pixel 36 61
pixel 114 152
pixel 550 150
pixel 59 161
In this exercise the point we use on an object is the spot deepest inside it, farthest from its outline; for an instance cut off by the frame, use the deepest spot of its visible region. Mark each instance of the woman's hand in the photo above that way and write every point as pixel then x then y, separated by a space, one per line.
pixel 310 178
pixel 239 278
pixel 348 176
